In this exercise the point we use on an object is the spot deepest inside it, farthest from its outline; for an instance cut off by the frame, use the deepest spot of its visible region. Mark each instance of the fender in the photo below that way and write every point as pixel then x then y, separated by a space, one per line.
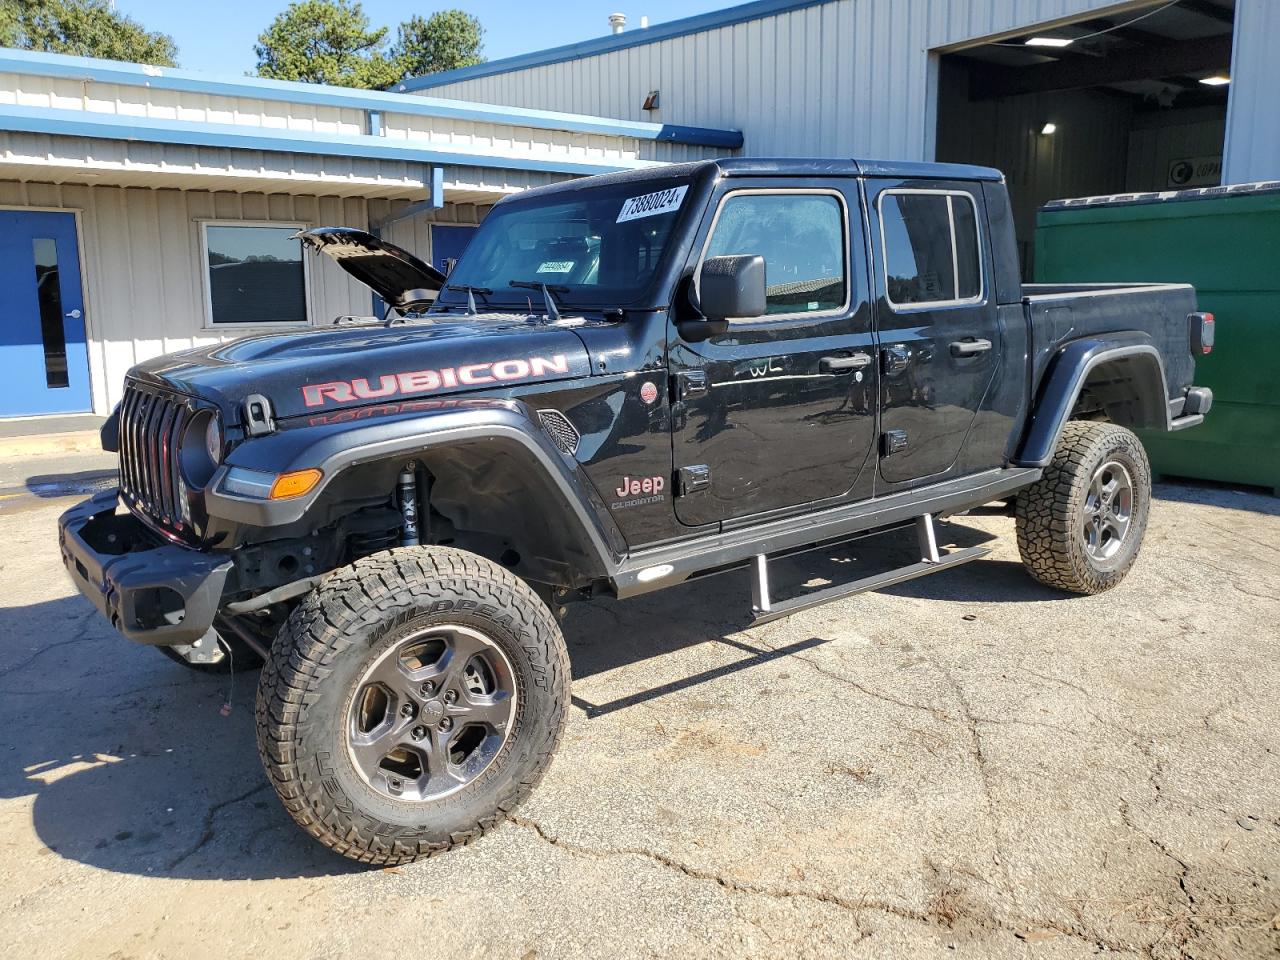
pixel 1068 372
pixel 356 438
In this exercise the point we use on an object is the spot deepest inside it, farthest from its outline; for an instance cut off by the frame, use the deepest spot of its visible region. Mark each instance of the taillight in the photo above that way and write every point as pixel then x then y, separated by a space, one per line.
pixel 1201 325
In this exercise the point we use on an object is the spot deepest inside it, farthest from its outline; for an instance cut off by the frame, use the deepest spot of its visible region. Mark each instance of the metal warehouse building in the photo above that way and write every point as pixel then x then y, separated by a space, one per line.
pixel 148 210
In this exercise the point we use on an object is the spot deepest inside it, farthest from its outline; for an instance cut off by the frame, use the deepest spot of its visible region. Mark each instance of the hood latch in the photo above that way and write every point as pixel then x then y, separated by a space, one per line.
pixel 258 420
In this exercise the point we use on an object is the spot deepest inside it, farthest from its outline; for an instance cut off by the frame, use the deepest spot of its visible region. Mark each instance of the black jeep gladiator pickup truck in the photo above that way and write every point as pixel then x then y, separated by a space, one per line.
pixel 627 382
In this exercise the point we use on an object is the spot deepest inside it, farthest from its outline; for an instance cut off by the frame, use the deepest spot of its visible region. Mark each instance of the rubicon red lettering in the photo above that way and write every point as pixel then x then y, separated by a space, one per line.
pixel 429 381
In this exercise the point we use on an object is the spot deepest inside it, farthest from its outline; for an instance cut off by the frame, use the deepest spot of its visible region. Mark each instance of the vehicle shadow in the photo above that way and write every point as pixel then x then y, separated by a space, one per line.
pixel 134 768
pixel 1225 495
pixel 131 763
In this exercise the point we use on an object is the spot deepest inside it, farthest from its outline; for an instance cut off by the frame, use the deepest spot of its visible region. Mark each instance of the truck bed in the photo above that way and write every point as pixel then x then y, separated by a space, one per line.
pixel 1057 313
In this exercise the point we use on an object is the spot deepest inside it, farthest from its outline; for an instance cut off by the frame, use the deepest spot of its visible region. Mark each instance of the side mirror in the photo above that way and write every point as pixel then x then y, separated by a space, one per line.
pixel 732 288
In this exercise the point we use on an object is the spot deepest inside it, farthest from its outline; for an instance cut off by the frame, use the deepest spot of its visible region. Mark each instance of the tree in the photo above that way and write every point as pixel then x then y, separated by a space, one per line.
pixel 444 41
pixel 10 35
pixel 325 41
pixel 86 28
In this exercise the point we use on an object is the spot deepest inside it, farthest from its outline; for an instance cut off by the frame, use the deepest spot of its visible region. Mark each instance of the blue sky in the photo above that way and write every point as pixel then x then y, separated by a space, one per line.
pixel 218 36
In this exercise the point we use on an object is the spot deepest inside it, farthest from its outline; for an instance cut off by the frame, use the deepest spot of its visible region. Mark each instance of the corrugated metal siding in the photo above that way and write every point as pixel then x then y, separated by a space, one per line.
pixel 1182 135
pixel 143 274
pixel 46 157
pixel 1253 120
pixel 31 90
pixel 500 140
pixel 846 78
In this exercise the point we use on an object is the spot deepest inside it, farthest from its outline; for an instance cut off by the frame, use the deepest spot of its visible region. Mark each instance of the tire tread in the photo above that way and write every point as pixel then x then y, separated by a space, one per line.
pixel 1046 513
pixel 324 627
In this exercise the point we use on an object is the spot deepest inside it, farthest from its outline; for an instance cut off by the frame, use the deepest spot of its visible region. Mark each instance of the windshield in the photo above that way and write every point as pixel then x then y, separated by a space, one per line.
pixel 599 246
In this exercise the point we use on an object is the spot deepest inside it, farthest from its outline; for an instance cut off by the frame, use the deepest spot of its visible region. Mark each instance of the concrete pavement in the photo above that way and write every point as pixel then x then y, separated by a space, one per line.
pixel 968 765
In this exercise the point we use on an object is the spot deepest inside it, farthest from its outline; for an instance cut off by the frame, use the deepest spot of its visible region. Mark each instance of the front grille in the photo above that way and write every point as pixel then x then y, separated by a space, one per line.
pixel 151 425
pixel 563 433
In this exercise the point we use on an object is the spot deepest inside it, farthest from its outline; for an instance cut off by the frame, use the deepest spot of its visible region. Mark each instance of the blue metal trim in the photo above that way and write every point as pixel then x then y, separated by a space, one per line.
pixel 111 126
pixel 162 78
pixel 671 133
pixel 619 41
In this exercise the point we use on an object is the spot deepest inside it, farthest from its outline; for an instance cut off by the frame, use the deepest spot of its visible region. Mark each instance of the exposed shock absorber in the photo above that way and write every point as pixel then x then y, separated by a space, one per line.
pixel 408 491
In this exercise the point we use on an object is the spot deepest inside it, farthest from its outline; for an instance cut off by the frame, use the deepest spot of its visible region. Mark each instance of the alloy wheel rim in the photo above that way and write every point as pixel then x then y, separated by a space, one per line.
pixel 431 713
pixel 1108 511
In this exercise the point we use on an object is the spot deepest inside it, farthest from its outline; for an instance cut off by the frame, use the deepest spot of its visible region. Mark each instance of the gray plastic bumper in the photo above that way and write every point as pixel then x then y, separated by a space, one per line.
pixel 155 594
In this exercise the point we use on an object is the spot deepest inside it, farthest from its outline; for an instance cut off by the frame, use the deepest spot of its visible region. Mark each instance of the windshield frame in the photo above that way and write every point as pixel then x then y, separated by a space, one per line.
pixel 649 294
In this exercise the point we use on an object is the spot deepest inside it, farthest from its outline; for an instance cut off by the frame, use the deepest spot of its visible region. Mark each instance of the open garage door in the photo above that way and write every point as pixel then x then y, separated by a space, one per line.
pixel 1134 102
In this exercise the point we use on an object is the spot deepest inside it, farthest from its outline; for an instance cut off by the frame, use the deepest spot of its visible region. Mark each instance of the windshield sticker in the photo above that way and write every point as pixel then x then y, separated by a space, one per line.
pixel 557 266
pixel 652 204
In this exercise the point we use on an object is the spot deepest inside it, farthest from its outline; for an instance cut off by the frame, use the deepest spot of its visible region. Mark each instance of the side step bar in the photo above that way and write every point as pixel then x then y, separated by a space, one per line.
pixel 931 561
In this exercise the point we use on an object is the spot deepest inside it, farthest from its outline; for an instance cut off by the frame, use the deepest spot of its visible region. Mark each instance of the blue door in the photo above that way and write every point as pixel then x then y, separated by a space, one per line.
pixel 44 364
pixel 448 243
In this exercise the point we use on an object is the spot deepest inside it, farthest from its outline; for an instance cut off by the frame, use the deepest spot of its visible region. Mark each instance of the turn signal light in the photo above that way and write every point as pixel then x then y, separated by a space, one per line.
pixel 294 484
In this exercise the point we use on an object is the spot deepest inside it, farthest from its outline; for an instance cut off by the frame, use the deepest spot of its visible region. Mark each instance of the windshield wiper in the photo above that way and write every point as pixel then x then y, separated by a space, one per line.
pixel 553 310
pixel 470 291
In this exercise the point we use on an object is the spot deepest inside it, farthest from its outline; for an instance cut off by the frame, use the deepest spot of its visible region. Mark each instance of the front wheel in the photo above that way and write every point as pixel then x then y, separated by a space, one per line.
pixel 1080 526
pixel 411 701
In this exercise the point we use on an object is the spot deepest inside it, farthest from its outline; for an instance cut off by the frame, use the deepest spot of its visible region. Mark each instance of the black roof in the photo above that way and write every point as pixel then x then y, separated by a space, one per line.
pixel 802 167
pixel 782 167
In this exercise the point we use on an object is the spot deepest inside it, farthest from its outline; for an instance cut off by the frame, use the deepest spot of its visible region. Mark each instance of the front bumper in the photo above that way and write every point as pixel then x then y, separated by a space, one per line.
pixel 152 592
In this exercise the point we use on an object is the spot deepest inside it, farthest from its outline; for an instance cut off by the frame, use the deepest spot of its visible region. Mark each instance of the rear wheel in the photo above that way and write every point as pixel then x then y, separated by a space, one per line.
pixel 1081 525
pixel 410 702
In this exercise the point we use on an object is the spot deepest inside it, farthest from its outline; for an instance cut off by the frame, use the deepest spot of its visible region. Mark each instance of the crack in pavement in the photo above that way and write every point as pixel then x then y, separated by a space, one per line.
pixel 43 650
pixel 1183 870
pixel 986 921
pixel 208 833
pixel 936 712
pixel 984 775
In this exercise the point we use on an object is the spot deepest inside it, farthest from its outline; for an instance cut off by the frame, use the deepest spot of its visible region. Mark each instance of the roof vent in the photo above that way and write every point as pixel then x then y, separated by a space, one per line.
pixel 617 22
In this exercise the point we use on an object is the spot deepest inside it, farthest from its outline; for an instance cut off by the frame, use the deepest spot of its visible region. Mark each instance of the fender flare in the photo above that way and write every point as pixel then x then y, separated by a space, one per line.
pixel 338 442
pixel 1068 372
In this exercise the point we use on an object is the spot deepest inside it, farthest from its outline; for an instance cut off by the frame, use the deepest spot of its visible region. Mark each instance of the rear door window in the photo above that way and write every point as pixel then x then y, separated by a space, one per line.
pixel 931 248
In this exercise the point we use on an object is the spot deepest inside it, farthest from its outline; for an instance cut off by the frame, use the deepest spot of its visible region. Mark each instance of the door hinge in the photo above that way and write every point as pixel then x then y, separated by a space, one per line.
pixel 895 359
pixel 690 383
pixel 692 479
pixel 893 441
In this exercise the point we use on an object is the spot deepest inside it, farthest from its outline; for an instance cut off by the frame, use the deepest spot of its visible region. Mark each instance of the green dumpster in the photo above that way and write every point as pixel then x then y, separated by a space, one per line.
pixel 1225 241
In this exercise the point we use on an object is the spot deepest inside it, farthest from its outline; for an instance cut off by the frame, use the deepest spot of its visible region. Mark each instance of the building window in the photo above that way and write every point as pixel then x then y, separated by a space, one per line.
pixel 931 248
pixel 802 239
pixel 256 274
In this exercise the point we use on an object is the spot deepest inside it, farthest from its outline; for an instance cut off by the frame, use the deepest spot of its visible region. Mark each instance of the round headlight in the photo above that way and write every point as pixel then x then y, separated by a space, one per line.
pixel 213 440
pixel 200 449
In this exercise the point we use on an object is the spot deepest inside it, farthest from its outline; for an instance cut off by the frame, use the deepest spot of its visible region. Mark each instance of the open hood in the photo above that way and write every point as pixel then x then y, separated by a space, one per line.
pixel 396 275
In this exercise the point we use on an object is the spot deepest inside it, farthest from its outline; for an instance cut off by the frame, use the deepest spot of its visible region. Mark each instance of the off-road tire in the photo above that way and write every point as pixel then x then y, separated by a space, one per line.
pixel 1051 513
pixel 307 685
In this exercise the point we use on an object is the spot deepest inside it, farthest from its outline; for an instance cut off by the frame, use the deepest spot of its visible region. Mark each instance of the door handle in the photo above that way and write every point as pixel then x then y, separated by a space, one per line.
pixel 74 314
pixel 969 348
pixel 844 364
